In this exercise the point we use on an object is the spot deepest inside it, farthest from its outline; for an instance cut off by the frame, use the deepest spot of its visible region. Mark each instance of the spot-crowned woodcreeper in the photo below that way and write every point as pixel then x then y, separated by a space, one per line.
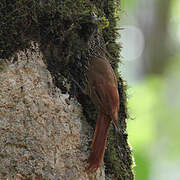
pixel 101 87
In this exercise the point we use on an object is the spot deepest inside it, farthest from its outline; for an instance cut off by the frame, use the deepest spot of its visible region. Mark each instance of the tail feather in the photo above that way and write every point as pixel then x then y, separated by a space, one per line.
pixel 96 129
pixel 99 141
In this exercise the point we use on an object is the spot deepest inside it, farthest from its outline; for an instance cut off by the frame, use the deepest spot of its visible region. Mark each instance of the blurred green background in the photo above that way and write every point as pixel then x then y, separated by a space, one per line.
pixel 150 41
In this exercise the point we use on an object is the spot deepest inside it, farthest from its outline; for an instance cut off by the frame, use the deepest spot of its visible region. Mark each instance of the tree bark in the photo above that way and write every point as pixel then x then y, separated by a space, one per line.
pixel 45 132
pixel 44 135
pixel 158 43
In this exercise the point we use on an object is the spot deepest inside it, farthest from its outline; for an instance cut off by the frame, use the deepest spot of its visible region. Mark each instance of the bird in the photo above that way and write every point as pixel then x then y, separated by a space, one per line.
pixel 101 87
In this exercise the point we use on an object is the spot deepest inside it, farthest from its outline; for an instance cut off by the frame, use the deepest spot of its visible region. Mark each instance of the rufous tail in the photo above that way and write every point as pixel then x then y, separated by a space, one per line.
pixel 99 141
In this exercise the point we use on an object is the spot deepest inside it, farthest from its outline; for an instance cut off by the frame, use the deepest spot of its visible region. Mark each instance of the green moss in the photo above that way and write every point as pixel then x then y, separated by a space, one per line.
pixel 118 156
pixel 69 32
pixel 22 21
pixel 3 65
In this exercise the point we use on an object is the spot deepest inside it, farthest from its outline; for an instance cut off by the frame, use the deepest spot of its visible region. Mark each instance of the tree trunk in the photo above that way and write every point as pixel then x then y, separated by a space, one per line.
pixel 158 47
pixel 44 49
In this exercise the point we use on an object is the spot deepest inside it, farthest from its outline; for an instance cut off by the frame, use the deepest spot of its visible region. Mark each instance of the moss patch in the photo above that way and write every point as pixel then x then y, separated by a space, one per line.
pixel 45 21
pixel 69 32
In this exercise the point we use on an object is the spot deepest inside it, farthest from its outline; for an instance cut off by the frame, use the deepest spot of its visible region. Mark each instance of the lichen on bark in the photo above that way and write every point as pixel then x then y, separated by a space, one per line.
pixel 43 134
pixel 68 32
